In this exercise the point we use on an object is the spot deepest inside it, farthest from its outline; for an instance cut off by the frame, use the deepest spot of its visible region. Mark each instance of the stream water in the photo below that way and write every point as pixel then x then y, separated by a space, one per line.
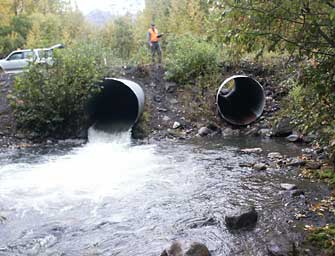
pixel 113 197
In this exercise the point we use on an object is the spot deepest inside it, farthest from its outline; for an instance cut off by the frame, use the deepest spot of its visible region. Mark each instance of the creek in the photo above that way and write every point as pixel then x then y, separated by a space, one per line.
pixel 113 196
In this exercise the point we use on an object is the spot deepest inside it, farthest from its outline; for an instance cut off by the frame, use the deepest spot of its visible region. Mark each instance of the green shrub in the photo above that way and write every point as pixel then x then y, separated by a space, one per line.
pixel 311 101
pixel 189 57
pixel 50 99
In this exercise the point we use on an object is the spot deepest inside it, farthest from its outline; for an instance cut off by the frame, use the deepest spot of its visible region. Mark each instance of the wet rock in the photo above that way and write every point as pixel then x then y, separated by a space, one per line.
pixel 296 192
pixel 173 101
pixel 313 165
pixel 251 150
pixel 296 163
pixel 176 125
pixel 288 186
pixel 176 133
pixel 174 250
pixel 293 138
pixel 204 131
pixel 281 247
pixel 283 128
pixel 260 167
pixel 274 155
pixel 197 249
pixel 170 87
pixel 244 218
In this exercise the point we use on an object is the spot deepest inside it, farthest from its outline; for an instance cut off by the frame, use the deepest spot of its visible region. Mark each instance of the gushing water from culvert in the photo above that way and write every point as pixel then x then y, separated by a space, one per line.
pixel 106 166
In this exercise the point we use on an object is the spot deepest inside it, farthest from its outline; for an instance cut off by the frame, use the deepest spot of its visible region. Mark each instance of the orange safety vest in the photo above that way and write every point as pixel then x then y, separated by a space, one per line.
pixel 153 35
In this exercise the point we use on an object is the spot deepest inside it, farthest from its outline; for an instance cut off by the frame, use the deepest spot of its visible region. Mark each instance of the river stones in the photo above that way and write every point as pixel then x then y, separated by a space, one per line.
pixel 195 249
pixel 288 186
pixel 244 218
pixel 204 131
pixel 260 167
pixel 283 128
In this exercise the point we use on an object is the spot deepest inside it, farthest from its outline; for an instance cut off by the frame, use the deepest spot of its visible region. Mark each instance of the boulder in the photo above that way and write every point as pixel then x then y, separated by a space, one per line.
pixel 204 131
pixel 244 218
pixel 283 128
pixel 174 250
pixel 293 138
pixel 197 249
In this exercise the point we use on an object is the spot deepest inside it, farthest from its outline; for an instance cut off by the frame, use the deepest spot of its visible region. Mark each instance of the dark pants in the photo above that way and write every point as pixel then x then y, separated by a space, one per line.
pixel 156 48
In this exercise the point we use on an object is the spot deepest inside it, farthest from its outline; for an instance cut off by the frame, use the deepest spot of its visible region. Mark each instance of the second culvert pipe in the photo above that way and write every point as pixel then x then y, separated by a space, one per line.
pixel 240 100
pixel 118 106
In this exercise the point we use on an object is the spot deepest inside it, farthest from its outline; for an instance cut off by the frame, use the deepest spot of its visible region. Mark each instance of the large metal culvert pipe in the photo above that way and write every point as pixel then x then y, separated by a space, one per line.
pixel 240 100
pixel 118 106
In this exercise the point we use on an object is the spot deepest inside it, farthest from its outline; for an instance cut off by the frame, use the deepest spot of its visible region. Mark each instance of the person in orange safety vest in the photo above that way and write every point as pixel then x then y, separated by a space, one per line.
pixel 153 40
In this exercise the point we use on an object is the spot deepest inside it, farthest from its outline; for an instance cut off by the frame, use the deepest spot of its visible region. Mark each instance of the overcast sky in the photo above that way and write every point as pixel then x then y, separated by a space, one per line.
pixel 114 6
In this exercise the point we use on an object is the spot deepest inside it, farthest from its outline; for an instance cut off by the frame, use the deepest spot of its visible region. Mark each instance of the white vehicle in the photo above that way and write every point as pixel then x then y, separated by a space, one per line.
pixel 16 61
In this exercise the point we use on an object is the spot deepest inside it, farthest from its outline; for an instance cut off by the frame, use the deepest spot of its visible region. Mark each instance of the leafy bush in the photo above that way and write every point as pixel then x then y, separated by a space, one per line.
pixel 50 100
pixel 311 102
pixel 190 57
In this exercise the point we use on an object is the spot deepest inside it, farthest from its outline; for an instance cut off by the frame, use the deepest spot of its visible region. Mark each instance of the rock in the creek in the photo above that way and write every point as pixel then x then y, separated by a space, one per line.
pixel 174 250
pixel 296 192
pixel 313 165
pixel 244 218
pixel 296 162
pixel 204 131
pixel 283 128
pixel 251 150
pixel 281 247
pixel 260 167
pixel 288 186
pixel 197 249
pixel 274 155
pixel 293 138
pixel 176 125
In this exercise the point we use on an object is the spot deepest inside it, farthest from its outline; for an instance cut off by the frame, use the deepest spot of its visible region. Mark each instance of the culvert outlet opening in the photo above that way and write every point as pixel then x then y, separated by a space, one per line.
pixel 118 106
pixel 240 100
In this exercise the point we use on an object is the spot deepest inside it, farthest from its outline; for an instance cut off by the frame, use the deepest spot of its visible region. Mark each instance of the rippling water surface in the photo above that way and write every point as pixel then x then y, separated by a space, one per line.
pixel 112 197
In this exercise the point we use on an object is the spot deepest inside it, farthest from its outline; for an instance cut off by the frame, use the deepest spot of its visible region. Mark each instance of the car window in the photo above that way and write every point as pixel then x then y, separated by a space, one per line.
pixel 28 55
pixel 16 56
